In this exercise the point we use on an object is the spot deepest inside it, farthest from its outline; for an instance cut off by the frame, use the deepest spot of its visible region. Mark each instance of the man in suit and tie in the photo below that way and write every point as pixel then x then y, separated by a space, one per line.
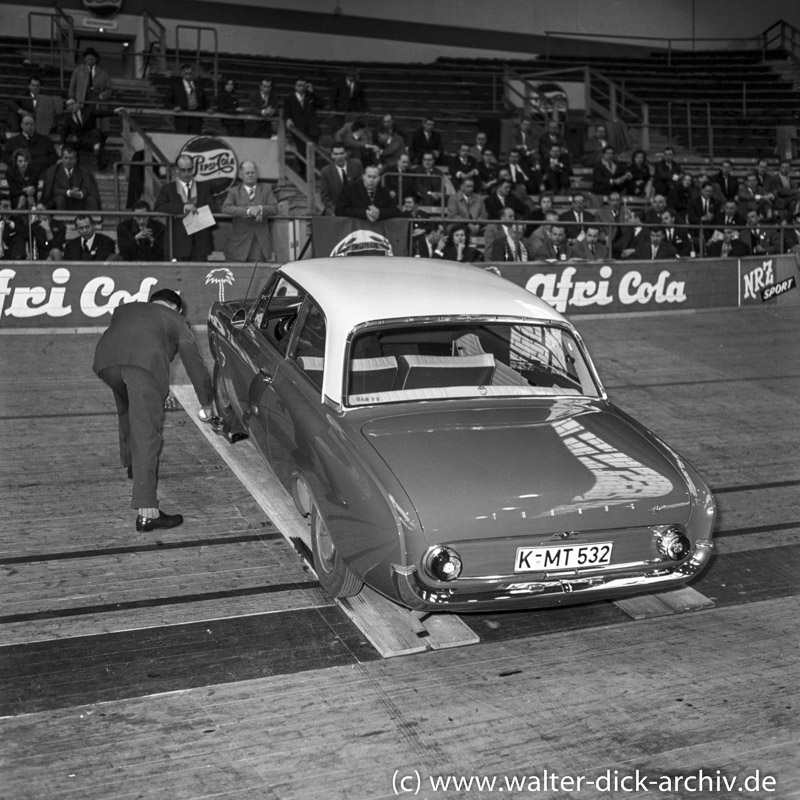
pixel 553 246
pixel 426 139
pixel 655 248
pixel 466 204
pixel 349 97
pixel 68 186
pixel 334 177
pixel 44 107
pixel 703 210
pixel 88 245
pixel 300 112
pixel 42 152
pixel 179 198
pixel 263 103
pixel 251 204
pixel 90 86
pixel 187 93
pixel 141 238
pixel 80 130
pixel 590 248
pixel 501 199
pixel 679 238
pixel 462 166
pixel 727 246
pixel 727 181
pixel 432 243
pixel 756 237
pixel 367 199
pixel 576 217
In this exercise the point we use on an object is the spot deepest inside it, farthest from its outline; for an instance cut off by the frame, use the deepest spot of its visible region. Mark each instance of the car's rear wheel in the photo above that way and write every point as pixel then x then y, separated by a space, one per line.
pixel 223 402
pixel 335 576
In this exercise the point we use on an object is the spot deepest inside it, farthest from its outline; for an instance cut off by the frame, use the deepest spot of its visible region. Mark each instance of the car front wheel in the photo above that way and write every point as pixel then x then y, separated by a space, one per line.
pixel 335 576
pixel 223 402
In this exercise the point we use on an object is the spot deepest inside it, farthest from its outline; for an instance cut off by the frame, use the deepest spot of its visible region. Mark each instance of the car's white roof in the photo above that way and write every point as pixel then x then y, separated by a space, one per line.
pixel 360 289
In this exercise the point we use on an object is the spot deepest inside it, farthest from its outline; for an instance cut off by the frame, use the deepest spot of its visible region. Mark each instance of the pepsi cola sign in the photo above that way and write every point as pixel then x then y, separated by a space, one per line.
pixel 214 161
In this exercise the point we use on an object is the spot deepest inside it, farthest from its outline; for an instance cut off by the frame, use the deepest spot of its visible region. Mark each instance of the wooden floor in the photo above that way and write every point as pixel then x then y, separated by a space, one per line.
pixel 207 662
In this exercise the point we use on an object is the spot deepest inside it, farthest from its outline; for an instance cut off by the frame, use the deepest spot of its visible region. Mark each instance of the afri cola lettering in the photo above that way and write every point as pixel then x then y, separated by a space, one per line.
pixel 98 297
pixel 563 291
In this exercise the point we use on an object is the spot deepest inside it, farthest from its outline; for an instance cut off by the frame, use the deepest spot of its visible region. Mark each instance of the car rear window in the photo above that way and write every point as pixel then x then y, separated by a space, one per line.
pixel 469 359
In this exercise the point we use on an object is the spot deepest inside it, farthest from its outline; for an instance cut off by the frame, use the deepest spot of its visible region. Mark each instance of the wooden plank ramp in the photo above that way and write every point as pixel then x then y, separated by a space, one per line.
pixel 662 604
pixel 391 629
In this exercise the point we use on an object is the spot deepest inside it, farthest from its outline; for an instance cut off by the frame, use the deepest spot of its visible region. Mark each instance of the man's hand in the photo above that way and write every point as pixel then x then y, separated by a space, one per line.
pixel 373 213
pixel 171 403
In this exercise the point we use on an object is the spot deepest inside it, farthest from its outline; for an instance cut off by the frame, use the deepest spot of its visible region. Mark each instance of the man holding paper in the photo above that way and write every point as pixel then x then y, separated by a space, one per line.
pixel 189 202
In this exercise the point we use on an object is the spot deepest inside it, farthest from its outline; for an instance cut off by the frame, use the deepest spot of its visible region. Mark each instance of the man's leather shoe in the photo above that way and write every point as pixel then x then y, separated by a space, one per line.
pixel 145 524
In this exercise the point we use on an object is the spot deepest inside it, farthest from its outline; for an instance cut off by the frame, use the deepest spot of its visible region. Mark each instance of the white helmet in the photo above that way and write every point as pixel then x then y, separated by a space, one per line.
pixel 363 243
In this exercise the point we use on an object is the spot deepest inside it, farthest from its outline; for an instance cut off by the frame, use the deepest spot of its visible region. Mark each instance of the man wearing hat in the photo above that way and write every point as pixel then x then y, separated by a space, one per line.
pixel 133 357
pixel 90 86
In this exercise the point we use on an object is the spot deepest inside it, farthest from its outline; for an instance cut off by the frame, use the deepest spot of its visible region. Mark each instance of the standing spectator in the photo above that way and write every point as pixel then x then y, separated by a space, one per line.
pixel 133 357
pixel 69 186
pixel 48 236
pixel 334 177
pixel 141 238
pixel 23 182
pixel 391 141
pixel 367 199
pixel 187 93
pixel 466 204
pixel 640 184
pixel 300 111
pixel 608 174
pixel 349 96
pixel 462 166
pixel 251 204
pixel 431 243
pixel 590 248
pixel 665 172
pixel 429 184
pixel 90 86
pixel 426 139
pixel 655 249
pixel 179 198
pixel 401 181
pixel 228 102
pixel 89 245
pixel 576 217
pixel 263 103
pixel 44 108
pixel 80 130
pixel 556 171
pixel 40 148
pixel 458 248
pixel 13 233
pixel 727 181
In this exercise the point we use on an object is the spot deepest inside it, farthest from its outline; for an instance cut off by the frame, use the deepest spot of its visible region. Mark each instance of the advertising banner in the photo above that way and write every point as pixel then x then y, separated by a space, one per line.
pixel 760 274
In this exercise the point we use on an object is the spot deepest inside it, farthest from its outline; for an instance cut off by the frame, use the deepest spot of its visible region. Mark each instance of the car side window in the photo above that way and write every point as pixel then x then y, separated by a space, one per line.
pixel 310 349
pixel 282 307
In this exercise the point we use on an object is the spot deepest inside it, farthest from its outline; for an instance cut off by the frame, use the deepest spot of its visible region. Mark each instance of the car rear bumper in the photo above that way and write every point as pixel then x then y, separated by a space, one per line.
pixel 496 595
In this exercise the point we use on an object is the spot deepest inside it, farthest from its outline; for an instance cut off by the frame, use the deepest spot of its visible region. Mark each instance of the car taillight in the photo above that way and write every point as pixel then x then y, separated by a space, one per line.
pixel 443 563
pixel 672 543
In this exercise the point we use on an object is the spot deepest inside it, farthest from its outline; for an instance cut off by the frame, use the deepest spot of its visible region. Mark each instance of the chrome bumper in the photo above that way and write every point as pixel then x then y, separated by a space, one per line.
pixel 509 594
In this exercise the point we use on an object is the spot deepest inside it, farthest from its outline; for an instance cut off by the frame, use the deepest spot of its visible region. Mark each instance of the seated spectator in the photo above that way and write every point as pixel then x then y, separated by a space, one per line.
pixel 187 92
pixel 553 246
pixel 631 235
pixel 141 238
pixel 728 215
pixel 462 166
pixel 523 140
pixel 88 245
pixel 45 108
pixel 653 214
pixel 411 210
pixel 523 183
pixel 550 139
pixel 556 171
pixel 391 141
pixel 655 248
pixel 227 102
pixel 608 174
pixel 366 199
pixel 13 233
pixel 426 139
pixel 787 239
pixel 757 238
pixel 728 245
pixel 457 247
pixel 681 195
pixel 762 172
pixel 495 230
pixel 502 198
pixel 401 181
pixel 576 217
pixel 611 215
pixel 678 237
pixel 23 182
pixel 488 170
pixel 476 151
pixel 49 236
pixel 80 130
pixel 357 138
pixel 511 246
pixel 40 148
pixel 429 184
pixel 70 187
pixel 431 243
pixel 784 188
pixel 640 183
pixel 751 198
pixel 595 145
pixel 702 211
pixel 536 215
pixel 727 181
pixel 335 176
pixel 263 102
pixel 666 172
pixel 466 204
pixel 590 248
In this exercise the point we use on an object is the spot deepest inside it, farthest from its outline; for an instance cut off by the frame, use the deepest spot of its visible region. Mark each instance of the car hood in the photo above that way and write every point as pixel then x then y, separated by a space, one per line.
pixel 561 465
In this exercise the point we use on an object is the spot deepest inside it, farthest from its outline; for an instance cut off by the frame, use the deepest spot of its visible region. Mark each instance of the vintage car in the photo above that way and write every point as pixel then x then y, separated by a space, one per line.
pixel 447 437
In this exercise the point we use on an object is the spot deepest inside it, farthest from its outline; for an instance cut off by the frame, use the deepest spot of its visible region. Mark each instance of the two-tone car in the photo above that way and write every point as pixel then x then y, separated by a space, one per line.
pixel 449 441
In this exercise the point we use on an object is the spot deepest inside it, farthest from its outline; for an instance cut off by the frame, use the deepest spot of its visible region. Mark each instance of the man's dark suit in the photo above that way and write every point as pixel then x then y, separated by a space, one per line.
pixel 133 357
pixel 331 185
pixel 133 249
pixel 494 206
pixel 198 246
pixel 177 97
pixel 57 183
pixel 420 144
pixel 738 249
pixel 680 240
pixel 102 249
pixel 729 186
pixel 83 133
pixel 347 100
pixel 644 251
pixel 304 116
pixel 572 227
pixel 696 211
pixel 354 202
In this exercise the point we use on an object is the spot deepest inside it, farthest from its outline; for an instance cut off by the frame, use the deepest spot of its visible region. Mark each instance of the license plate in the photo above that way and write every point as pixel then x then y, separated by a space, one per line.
pixel 563 556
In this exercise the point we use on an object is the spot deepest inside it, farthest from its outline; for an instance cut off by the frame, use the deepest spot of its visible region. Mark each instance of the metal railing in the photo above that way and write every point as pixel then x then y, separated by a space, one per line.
pixel 688 105
pixel 61 39
pixel 197 50
pixel 154 45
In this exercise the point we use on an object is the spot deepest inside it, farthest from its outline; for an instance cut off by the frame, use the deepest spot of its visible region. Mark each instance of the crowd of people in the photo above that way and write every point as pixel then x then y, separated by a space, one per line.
pixel 468 204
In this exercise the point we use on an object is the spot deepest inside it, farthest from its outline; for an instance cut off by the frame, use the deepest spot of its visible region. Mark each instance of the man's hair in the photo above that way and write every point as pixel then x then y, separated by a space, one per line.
pixel 167 296
pixel 69 148
pixel 141 204
pixel 432 226
pixel 79 217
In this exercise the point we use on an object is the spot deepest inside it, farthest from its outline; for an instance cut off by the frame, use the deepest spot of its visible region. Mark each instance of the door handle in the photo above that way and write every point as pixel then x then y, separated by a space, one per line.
pixel 266 377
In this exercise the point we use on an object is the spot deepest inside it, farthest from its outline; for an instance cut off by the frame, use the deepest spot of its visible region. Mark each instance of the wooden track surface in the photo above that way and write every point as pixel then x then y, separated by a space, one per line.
pixel 206 661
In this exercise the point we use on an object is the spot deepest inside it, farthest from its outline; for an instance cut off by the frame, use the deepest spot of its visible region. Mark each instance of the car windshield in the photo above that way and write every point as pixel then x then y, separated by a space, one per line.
pixel 424 361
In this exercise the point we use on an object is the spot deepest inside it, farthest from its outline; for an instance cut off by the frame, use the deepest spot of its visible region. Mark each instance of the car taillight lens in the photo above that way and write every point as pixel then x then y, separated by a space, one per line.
pixel 443 563
pixel 672 543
